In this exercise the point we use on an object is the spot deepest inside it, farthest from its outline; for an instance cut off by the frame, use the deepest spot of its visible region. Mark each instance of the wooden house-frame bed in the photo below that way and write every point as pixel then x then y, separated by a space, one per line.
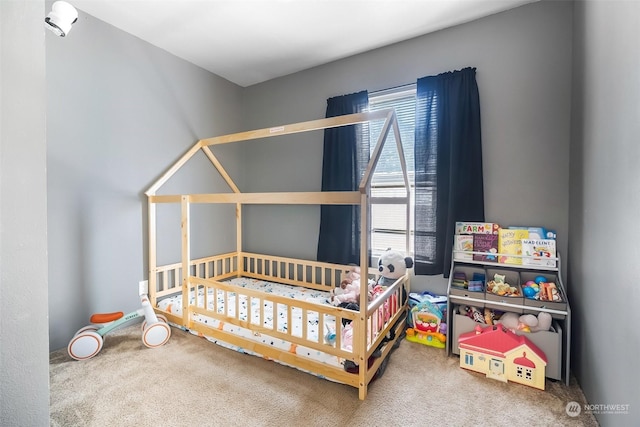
pixel 204 292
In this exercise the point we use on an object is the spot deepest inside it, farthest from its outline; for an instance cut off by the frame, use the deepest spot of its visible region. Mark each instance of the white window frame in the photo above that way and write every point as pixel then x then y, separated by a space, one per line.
pixel 382 183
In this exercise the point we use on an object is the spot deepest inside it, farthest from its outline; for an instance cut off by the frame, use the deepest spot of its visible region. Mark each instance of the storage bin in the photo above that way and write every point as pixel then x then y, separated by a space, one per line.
pixel 552 305
pixel 550 342
pixel 469 272
pixel 512 277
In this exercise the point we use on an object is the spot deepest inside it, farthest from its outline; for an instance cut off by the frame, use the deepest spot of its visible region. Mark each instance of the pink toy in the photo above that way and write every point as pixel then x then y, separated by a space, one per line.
pixel 386 309
pixel 349 289
pixel 347 337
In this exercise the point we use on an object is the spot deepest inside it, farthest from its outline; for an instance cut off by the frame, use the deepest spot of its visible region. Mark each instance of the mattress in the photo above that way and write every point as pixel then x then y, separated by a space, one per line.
pixel 271 313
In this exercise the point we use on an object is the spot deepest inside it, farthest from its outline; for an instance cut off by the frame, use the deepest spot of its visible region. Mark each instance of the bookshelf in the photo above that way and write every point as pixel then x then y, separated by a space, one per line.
pixel 556 343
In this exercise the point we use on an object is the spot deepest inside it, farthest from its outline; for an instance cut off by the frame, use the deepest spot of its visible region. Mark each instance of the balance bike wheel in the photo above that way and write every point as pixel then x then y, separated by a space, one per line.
pixel 85 345
pixel 160 317
pixel 87 328
pixel 156 334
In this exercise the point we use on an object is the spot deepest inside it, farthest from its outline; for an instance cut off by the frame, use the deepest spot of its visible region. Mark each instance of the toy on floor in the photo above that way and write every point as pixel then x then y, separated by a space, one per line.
pixel 427 322
pixel 502 355
pixel 87 342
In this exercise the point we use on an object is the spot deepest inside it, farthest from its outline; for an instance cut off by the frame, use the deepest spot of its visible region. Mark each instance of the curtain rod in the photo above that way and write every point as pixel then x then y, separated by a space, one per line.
pixel 396 89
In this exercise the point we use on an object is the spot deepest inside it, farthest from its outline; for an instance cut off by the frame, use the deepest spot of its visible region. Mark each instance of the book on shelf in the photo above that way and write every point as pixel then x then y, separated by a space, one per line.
pixel 510 243
pixel 463 227
pixel 463 243
pixel 537 232
pixel 539 252
pixel 487 243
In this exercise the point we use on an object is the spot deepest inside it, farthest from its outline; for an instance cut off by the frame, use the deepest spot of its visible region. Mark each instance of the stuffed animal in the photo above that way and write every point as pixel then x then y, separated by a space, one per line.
pixel 347 337
pixel 535 324
pixel 392 265
pixel 526 322
pixel 349 289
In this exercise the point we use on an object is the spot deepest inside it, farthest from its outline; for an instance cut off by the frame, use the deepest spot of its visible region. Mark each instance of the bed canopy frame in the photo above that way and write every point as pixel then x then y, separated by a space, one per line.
pixel 312 274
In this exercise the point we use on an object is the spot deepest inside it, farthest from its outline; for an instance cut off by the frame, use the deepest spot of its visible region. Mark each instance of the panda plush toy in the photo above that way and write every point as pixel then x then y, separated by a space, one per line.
pixel 392 265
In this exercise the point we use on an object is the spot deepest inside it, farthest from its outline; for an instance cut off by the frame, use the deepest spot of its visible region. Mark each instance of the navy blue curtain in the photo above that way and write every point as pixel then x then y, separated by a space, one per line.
pixel 448 165
pixel 346 154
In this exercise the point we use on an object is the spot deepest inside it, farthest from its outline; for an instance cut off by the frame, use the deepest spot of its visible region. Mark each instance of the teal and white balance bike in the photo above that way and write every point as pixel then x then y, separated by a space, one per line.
pixel 88 341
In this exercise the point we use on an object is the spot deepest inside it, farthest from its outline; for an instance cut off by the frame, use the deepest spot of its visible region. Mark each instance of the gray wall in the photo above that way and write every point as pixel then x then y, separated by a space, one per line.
pixel 120 112
pixel 24 349
pixel 523 61
pixel 604 205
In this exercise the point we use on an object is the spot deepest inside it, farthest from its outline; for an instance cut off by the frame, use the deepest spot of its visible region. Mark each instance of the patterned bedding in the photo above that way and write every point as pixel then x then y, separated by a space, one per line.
pixel 272 312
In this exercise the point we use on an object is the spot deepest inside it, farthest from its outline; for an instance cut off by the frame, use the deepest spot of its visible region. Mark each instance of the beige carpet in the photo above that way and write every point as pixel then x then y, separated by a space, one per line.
pixel 192 382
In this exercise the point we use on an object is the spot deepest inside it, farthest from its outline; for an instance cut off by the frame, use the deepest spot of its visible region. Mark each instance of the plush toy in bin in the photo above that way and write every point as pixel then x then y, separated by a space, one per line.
pixel 526 322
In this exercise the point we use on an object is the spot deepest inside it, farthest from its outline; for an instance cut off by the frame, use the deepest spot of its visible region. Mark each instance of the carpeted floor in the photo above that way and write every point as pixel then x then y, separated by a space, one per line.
pixel 192 382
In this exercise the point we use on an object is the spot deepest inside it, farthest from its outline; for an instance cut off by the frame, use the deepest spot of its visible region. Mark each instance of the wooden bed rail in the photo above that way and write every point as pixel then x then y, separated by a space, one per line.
pixel 168 278
pixel 245 297
pixel 380 314
pixel 311 274
pixel 383 315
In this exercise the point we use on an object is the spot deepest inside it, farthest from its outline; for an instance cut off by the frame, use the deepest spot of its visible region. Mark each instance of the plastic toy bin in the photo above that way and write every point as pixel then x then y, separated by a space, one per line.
pixel 561 305
pixel 512 277
pixel 468 272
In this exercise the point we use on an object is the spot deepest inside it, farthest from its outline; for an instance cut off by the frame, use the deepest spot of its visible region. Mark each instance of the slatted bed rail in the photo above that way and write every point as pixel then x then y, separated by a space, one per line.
pixel 381 313
pixel 168 278
pixel 230 303
pixel 310 274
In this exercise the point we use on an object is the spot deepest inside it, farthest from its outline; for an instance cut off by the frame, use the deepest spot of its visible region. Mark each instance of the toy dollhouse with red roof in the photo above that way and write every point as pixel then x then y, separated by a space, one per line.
pixel 503 355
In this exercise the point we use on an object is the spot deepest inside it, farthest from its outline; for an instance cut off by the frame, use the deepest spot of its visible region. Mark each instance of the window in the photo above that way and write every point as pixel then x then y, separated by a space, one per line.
pixel 388 222
pixel 468 359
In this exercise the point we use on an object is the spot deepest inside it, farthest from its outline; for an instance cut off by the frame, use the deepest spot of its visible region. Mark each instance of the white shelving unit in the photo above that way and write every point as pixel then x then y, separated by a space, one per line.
pixel 561 313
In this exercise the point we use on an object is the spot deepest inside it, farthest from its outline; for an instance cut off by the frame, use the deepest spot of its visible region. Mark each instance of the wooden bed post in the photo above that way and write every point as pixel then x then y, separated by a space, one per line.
pixel 360 337
pixel 153 277
pixel 223 173
pixel 186 259
pixel 239 238
pixel 407 185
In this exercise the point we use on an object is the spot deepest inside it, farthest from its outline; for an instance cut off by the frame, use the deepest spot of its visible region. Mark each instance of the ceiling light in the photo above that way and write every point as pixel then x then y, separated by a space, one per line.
pixel 61 18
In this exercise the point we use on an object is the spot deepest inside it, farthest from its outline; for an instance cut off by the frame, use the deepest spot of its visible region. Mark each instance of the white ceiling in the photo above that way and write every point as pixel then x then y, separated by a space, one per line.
pixel 251 41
